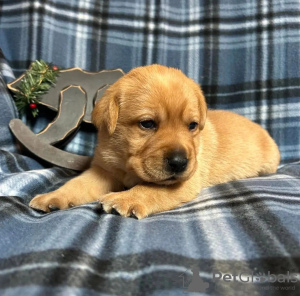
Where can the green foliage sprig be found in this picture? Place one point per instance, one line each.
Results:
(36, 82)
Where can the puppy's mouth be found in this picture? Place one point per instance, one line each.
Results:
(170, 180)
(162, 180)
(160, 174)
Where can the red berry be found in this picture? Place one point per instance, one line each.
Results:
(32, 105)
(54, 68)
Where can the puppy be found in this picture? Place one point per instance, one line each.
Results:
(157, 139)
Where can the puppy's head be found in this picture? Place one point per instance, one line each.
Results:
(149, 123)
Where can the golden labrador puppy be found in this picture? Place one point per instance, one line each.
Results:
(157, 138)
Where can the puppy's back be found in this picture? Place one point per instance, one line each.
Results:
(241, 149)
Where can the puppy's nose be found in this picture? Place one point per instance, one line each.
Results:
(176, 161)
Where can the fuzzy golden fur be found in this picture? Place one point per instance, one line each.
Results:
(186, 148)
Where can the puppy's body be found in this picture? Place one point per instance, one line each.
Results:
(157, 138)
(234, 148)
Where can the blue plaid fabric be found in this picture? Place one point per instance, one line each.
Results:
(245, 54)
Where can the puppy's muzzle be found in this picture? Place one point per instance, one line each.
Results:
(176, 161)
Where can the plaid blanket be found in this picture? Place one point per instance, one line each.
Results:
(239, 238)
(244, 54)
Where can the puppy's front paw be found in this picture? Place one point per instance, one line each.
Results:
(51, 201)
(125, 203)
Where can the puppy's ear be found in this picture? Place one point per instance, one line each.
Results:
(202, 107)
(106, 111)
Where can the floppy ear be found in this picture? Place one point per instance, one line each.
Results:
(106, 111)
(202, 107)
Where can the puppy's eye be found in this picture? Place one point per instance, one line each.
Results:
(148, 124)
(193, 125)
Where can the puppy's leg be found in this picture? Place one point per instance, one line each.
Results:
(83, 189)
(145, 199)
